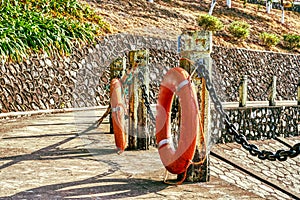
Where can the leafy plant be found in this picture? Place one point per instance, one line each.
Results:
(239, 29)
(36, 26)
(269, 39)
(291, 41)
(210, 23)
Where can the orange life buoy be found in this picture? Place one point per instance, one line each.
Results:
(118, 114)
(177, 81)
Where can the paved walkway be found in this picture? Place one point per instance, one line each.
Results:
(64, 156)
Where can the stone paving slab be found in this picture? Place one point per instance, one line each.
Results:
(64, 156)
(285, 175)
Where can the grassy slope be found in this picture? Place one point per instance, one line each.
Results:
(167, 19)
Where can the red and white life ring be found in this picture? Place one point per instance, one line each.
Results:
(118, 114)
(177, 81)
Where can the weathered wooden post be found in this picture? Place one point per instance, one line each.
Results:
(298, 92)
(243, 91)
(138, 120)
(117, 69)
(272, 94)
(196, 46)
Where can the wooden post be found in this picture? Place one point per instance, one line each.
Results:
(138, 119)
(272, 94)
(298, 92)
(243, 91)
(196, 46)
(117, 70)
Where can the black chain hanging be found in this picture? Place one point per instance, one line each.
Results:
(280, 155)
(147, 104)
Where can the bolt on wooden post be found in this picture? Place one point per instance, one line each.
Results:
(117, 70)
(138, 134)
(272, 94)
(243, 91)
(196, 46)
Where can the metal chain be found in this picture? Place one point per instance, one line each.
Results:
(175, 121)
(146, 99)
(280, 155)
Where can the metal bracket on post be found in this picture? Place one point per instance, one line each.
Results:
(272, 94)
(243, 91)
(138, 119)
(195, 46)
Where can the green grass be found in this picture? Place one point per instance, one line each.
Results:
(37, 26)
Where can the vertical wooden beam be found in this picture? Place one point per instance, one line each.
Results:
(196, 46)
(243, 91)
(143, 139)
(272, 94)
(298, 92)
(117, 70)
(138, 119)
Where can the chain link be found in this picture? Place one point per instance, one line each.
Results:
(280, 155)
(146, 101)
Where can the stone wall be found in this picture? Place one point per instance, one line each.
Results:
(231, 64)
(82, 80)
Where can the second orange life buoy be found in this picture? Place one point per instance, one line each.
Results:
(118, 114)
(177, 81)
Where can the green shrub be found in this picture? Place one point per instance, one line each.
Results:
(239, 29)
(269, 39)
(36, 26)
(210, 23)
(291, 41)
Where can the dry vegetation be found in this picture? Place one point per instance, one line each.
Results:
(168, 18)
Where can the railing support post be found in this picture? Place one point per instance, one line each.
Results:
(298, 92)
(138, 120)
(272, 94)
(195, 46)
(243, 91)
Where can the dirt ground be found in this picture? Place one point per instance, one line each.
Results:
(167, 19)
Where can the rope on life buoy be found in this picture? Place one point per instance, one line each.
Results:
(118, 114)
(177, 81)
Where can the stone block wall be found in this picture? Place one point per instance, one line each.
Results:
(82, 80)
(232, 64)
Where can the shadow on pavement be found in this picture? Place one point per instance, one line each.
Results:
(52, 152)
(97, 187)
